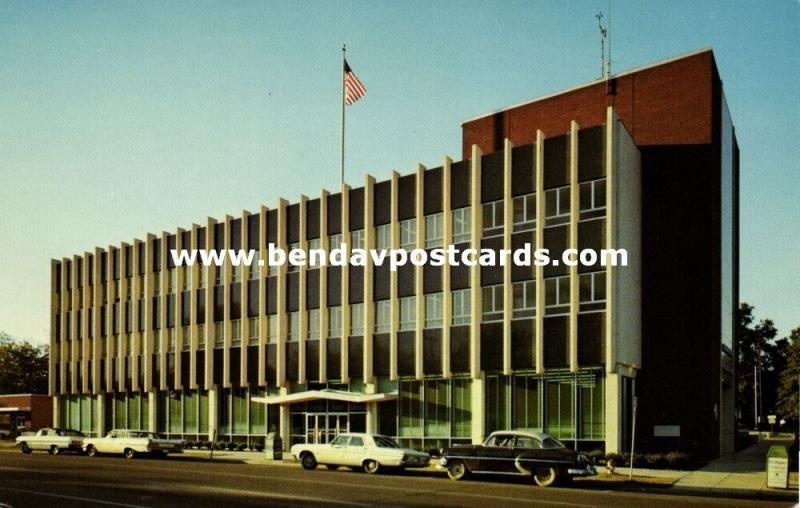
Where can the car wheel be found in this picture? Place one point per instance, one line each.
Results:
(308, 461)
(457, 470)
(332, 467)
(91, 451)
(54, 450)
(129, 453)
(371, 466)
(545, 476)
(25, 448)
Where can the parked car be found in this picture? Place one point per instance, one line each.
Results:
(5, 434)
(53, 441)
(131, 443)
(534, 454)
(370, 452)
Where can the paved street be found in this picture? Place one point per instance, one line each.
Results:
(69, 480)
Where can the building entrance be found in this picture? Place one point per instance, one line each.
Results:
(322, 428)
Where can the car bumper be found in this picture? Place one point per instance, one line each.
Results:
(588, 470)
(415, 462)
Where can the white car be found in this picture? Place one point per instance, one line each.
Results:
(53, 441)
(132, 442)
(369, 452)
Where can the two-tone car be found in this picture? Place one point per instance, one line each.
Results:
(53, 441)
(532, 454)
(369, 452)
(131, 443)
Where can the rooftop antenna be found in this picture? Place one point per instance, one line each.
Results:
(605, 69)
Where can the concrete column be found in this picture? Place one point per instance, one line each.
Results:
(478, 421)
(394, 316)
(194, 273)
(56, 398)
(540, 291)
(85, 325)
(147, 340)
(52, 382)
(135, 284)
(162, 312)
(244, 321)
(372, 418)
(227, 276)
(213, 411)
(610, 241)
(303, 335)
(280, 295)
(181, 274)
(447, 239)
(369, 307)
(208, 329)
(152, 415)
(100, 416)
(574, 217)
(75, 343)
(262, 302)
(345, 291)
(508, 288)
(323, 289)
(475, 271)
(62, 356)
(419, 289)
(613, 413)
(285, 423)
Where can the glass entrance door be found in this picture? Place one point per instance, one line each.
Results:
(321, 428)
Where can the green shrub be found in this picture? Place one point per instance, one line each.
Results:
(677, 460)
(655, 460)
(242, 447)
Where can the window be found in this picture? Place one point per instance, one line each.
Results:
(334, 322)
(408, 234)
(252, 330)
(219, 336)
(218, 271)
(201, 336)
(383, 316)
(313, 324)
(236, 333)
(592, 287)
(383, 237)
(556, 291)
(524, 297)
(433, 230)
(236, 274)
(272, 328)
(408, 313)
(172, 280)
(556, 202)
(462, 224)
(293, 333)
(525, 209)
(357, 239)
(593, 195)
(187, 278)
(254, 270)
(335, 241)
(433, 310)
(356, 441)
(289, 266)
(187, 339)
(315, 244)
(462, 301)
(493, 215)
(492, 302)
(201, 283)
(357, 319)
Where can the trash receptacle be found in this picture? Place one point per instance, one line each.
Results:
(277, 449)
(778, 467)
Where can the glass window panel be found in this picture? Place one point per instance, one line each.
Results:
(600, 193)
(563, 290)
(551, 292)
(313, 324)
(600, 286)
(551, 202)
(585, 283)
(335, 322)
(586, 195)
(357, 319)
(563, 201)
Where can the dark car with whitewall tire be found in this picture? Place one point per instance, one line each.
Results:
(529, 454)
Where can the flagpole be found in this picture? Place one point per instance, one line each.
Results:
(343, 64)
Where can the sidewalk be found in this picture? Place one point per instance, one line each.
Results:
(743, 472)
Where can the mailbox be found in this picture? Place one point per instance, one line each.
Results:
(778, 468)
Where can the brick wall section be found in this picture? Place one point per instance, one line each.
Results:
(41, 408)
(669, 104)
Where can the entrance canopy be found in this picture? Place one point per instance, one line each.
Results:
(326, 394)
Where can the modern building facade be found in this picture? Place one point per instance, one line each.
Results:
(438, 355)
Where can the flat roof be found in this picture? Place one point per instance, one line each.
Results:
(591, 83)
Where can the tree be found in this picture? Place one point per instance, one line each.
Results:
(23, 366)
(789, 386)
(757, 351)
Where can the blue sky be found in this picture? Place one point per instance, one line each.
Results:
(120, 118)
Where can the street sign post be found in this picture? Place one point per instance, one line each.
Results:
(777, 468)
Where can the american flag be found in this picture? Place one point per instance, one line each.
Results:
(353, 88)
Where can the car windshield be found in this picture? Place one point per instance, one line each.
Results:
(385, 442)
(551, 444)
